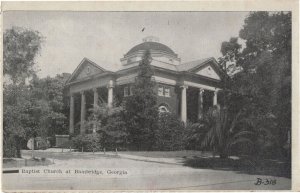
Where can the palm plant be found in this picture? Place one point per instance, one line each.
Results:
(224, 131)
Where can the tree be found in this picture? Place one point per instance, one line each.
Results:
(49, 105)
(16, 120)
(169, 135)
(20, 47)
(268, 41)
(108, 122)
(140, 109)
(263, 81)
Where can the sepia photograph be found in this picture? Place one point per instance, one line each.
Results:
(147, 100)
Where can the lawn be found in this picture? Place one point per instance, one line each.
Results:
(243, 165)
(194, 159)
(17, 163)
(168, 154)
(64, 155)
(204, 160)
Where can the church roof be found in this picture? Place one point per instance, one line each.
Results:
(151, 46)
(193, 64)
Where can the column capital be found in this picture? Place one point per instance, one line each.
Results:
(95, 89)
(184, 86)
(201, 90)
(110, 84)
(82, 92)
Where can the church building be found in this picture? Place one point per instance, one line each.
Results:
(179, 86)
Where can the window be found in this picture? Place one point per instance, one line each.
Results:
(126, 91)
(130, 90)
(160, 91)
(163, 109)
(88, 70)
(167, 92)
(163, 91)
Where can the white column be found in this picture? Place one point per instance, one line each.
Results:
(95, 97)
(183, 104)
(215, 97)
(200, 103)
(110, 94)
(95, 105)
(71, 125)
(82, 113)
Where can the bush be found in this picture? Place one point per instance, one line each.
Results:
(169, 134)
(9, 147)
(194, 135)
(114, 133)
(89, 142)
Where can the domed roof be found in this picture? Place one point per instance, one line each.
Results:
(151, 46)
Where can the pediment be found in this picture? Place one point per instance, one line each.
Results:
(85, 70)
(208, 71)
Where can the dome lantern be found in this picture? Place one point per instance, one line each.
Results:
(150, 39)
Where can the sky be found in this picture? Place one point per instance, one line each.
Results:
(104, 37)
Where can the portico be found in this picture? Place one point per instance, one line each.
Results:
(200, 100)
(83, 110)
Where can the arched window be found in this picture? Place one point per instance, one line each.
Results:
(163, 109)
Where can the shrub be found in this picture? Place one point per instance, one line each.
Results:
(194, 135)
(9, 147)
(169, 134)
(89, 142)
(114, 133)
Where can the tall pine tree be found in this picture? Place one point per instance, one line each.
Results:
(140, 109)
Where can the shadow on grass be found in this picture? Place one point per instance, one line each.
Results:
(68, 155)
(243, 165)
(17, 163)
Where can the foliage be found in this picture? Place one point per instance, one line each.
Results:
(264, 78)
(16, 120)
(108, 122)
(87, 142)
(49, 105)
(268, 40)
(10, 146)
(194, 134)
(115, 135)
(225, 130)
(21, 47)
(169, 134)
(34, 109)
(140, 109)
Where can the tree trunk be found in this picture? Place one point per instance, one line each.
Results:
(18, 148)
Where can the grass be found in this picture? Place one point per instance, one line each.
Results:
(16, 163)
(243, 165)
(167, 154)
(64, 155)
(204, 160)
